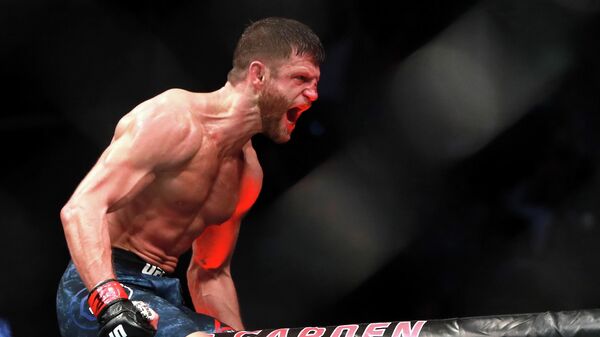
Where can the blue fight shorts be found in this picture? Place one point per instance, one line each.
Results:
(143, 282)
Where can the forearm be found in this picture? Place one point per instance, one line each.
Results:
(214, 294)
(89, 243)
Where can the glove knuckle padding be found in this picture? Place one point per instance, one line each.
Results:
(124, 313)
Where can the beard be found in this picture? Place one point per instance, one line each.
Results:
(273, 106)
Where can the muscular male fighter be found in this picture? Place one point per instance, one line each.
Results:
(181, 173)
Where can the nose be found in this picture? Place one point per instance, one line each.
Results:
(311, 93)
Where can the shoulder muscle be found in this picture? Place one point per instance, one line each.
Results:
(156, 133)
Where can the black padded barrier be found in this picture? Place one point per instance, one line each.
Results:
(579, 323)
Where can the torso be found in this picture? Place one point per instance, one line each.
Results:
(162, 221)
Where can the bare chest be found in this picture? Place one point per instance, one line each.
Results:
(206, 189)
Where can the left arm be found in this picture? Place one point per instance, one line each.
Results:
(209, 275)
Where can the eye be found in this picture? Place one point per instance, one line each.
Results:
(301, 78)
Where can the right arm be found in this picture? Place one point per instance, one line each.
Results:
(152, 138)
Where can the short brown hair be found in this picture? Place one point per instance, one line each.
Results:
(274, 38)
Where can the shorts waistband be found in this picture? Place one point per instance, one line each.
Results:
(132, 262)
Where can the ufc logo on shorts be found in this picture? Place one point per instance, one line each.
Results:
(152, 270)
(119, 331)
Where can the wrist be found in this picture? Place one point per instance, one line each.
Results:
(105, 293)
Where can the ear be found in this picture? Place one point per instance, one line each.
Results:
(256, 73)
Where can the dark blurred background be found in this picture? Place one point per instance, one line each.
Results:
(448, 169)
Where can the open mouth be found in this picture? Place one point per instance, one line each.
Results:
(293, 114)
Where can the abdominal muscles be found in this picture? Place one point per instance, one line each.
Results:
(161, 222)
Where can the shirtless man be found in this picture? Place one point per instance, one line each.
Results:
(181, 173)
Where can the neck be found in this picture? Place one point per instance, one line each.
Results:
(230, 116)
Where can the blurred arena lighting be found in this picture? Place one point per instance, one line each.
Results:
(453, 96)
(5, 330)
(582, 6)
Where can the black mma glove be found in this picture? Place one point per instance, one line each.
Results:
(117, 315)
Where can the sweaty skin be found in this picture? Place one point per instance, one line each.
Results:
(181, 172)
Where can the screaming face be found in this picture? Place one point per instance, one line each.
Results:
(289, 92)
(278, 114)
